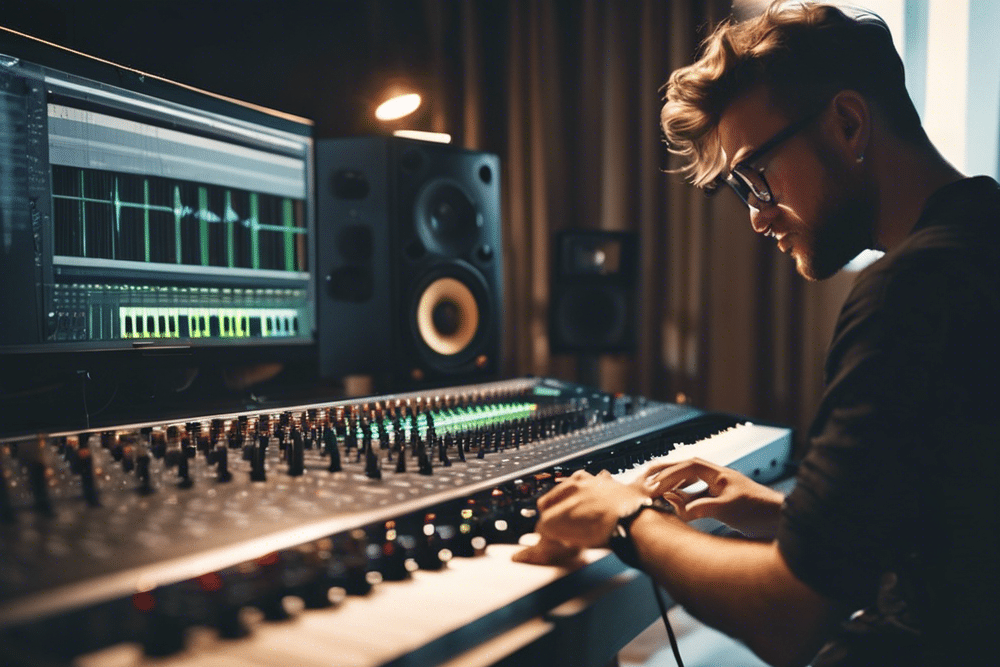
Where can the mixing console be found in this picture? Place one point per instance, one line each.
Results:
(139, 533)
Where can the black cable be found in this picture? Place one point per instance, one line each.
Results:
(658, 594)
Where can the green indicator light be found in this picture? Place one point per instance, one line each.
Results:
(178, 212)
(546, 391)
(254, 231)
(289, 237)
(228, 220)
(203, 223)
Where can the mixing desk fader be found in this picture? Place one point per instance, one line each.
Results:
(137, 534)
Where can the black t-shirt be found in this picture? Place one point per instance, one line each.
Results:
(895, 508)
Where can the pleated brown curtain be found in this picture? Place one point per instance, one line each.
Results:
(568, 93)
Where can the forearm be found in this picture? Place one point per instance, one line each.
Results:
(741, 587)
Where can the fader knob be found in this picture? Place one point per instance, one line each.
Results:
(86, 467)
(272, 590)
(330, 445)
(164, 625)
(226, 600)
(220, 457)
(307, 576)
(349, 567)
(392, 560)
(142, 472)
(432, 552)
(424, 466)
(296, 455)
(258, 471)
(373, 468)
(39, 473)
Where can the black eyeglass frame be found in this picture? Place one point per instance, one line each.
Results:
(743, 186)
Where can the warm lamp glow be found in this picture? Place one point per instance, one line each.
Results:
(439, 137)
(398, 106)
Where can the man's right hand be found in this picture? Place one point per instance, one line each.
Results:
(731, 497)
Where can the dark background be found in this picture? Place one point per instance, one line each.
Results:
(326, 61)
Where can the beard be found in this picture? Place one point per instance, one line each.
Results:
(844, 226)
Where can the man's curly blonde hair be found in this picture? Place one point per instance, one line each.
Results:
(803, 54)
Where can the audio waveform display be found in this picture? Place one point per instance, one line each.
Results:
(114, 216)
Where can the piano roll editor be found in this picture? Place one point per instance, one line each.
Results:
(147, 222)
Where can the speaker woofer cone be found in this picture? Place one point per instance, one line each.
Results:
(448, 316)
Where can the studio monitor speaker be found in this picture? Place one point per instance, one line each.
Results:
(594, 285)
(409, 260)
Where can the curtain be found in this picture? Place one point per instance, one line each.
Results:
(568, 93)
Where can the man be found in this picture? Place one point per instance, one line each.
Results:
(883, 553)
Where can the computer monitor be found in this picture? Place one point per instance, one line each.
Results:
(142, 214)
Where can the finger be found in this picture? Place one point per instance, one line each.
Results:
(693, 462)
(557, 494)
(547, 552)
(661, 466)
(687, 473)
(678, 497)
(677, 501)
(673, 482)
(702, 508)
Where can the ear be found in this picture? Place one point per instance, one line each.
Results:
(853, 123)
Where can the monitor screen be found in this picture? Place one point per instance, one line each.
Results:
(140, 213)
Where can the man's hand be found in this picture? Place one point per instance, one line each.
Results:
(582, 510)
(732, 498)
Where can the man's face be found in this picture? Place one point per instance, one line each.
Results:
(822, 214)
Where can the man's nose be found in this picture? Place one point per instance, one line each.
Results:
(760, 220)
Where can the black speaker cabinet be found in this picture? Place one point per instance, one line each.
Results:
(594, 284)
(409, 260)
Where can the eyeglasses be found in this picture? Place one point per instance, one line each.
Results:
(747, 180)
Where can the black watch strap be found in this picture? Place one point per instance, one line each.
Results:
(621, 539)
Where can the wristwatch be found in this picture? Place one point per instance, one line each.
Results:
(621, 542)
